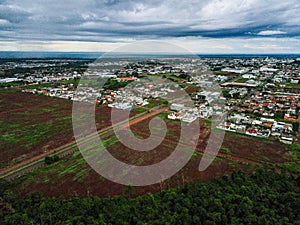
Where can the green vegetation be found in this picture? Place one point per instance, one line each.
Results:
(293, 166)
(29, 123)
(242, 80)
(51, 159)
(176, 78)
(53, 84)
(265, 197)
(26, 85)
(294, 86)
(225, 93)
(12, 84)
(80, 66)
(225, 150)
(139, 110)
(154, 102)
(73, 166)
(208, 123)
(294, 148)
(112, 84)
(30, 134)
(164, 115)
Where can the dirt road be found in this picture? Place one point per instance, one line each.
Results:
(67, 149)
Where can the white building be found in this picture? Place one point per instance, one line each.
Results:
(9, 80)
(177, 107)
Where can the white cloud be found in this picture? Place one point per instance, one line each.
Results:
(270, 32)
(191, 44)
(268, 47)
(112, 21)
(4, 23)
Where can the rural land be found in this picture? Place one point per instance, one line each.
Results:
(42, 166)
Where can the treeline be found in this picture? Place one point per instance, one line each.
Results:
(265, 197)
(79, 65)
(115, 85)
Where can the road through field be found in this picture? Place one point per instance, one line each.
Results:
(37, 161)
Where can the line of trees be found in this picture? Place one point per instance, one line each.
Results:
(265, 197)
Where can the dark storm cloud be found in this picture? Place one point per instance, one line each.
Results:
(12, 14)
(112, 20)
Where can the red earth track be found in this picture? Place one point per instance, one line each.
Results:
(147, 116)
(220, 154)
(38, 157)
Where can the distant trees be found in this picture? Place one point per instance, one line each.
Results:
(265, 197)
(51, 159)
(112, 84)
(183, 76)
(226, 93)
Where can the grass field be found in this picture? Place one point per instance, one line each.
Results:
(295, 86)
(34, 124)
(72, 176)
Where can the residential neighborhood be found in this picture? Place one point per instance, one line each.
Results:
(260, 95)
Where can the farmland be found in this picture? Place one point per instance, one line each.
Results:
(72, 176)
(34, 124)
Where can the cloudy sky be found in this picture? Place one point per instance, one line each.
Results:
(204, 26)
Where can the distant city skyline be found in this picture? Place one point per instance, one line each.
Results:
(208, 27)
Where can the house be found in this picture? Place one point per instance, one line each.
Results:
(252, 131)
(290, 118)
(188, 118)
(256, 123)
(278, 80)
(267, 69)
(295, 80)
(241, 129)
(222, 78)
(278, 127)
(122, 106)
(204, 112)
(286, 139)
(250, 82)
(249, 76)
(126, 79)
(175, 116)
(237, 71)
(177, 107)
(9, 80)
(264, 133)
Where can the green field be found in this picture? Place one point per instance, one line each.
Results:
(34, 124)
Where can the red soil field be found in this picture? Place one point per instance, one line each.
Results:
(34, 124)
(52, 183)
(94, 184)
(256, 149)
(25, 110)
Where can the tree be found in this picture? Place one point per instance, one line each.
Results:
(51, 159)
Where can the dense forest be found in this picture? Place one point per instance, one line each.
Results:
(264, 197)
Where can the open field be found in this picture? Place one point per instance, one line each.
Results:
(72, 176)
(34, 124)
(256, 149)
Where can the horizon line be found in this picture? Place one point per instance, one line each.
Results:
(170, 53)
